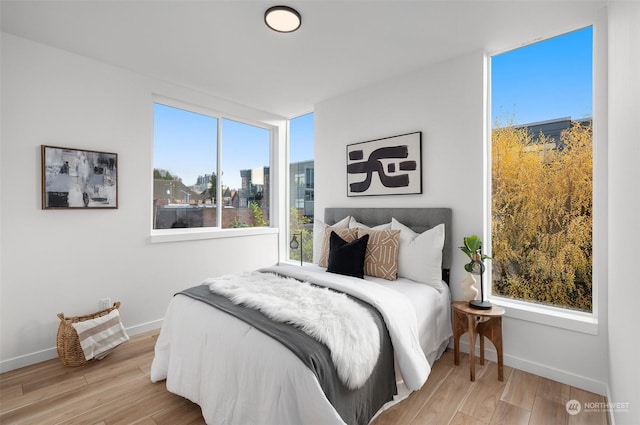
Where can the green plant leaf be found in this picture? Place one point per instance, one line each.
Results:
(473, 243)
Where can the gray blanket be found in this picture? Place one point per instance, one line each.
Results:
(356, 407)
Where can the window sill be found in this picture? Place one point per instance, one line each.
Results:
(551, 316)
(193, 234)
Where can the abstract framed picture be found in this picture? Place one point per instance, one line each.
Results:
(78, 179)
(388, 166)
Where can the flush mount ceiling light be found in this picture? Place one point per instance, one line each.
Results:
(282, 19)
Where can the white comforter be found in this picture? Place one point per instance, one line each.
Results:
(344, 326)
(238, 375)
(396, 309)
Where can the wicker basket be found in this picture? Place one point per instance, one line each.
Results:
(69, 349)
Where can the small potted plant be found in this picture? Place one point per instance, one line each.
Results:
(473, 248)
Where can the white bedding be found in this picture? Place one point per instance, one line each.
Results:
(238, 375)
(343, 325)
(433, 312)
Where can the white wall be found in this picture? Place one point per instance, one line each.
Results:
(65, 261)
(446, 103)
(624, 207)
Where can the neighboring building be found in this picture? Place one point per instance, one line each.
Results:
(301, 184)
(167, 192)
(202, 183)
(552, 129)
(177, 205)
(228, 195)
(255, 188)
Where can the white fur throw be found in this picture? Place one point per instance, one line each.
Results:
(343, 325)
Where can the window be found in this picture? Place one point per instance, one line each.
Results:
(301, 187)
(187, 190)
(542, 173)
(245, 175)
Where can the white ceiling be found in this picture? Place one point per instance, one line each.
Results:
(224, 48)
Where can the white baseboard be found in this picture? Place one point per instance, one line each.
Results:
(28, 359)
(52, 353)
(611, 416)
(144, 327)
(539, 369)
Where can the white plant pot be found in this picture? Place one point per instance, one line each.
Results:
(468, 287)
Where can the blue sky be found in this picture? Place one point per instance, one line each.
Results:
(244, 147)
(185, 144)
(301, 132)
(542, 81)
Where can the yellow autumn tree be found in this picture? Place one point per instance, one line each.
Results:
(542, 216)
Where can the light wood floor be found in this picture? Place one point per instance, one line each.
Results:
(117, 390)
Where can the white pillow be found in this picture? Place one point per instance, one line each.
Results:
(420, 257)
(318, 234)
(354, 224)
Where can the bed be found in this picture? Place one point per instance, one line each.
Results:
(240, 373)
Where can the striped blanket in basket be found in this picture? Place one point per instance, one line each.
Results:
(100, 335)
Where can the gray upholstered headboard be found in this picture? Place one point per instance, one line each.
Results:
(418, 219)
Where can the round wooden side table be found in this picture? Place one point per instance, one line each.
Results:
(483, 323)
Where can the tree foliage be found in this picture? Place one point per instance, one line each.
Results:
(542, 216)
(299, 225)
(212, 187)
(258, 215)
(159, 174)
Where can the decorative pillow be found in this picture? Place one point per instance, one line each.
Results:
(100, 335)
(347, 258)
(354, 224)
(318, 236)
(381, 258)
(346, 234)
(420, 257)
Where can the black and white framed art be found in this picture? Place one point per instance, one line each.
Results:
(388, 166)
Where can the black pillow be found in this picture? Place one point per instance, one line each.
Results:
(347, 258)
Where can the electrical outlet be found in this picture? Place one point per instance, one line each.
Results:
(105, 303)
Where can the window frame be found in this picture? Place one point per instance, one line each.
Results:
(284, 250)
(584, 322)
(217, 232)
